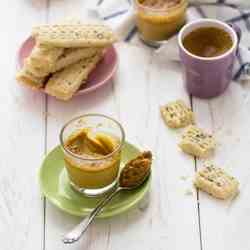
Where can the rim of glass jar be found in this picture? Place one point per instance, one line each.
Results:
(136, 3)
(92, 159)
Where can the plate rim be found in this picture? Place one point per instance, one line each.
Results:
(102, 83)
(106, 214)
(81, 91)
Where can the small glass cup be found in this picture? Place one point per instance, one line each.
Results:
(157, 24)
(93, 176)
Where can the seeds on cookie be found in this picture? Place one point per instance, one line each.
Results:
(216, 182)
(197, 142)
(177, 114)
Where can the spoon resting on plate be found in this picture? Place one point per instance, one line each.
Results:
(132, 176)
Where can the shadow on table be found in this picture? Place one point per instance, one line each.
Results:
(34, 103)
(88, 100)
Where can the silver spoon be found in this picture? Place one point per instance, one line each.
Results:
(76, 233)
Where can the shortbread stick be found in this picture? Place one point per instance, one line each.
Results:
(71, 56)
(65, 83)
(216, 182)
(177, 115)
(74, 35)
(38, 71)
(44, 56)
(197, 142)
(26, 78)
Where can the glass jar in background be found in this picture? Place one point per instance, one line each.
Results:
(157, 20)
(92, 147)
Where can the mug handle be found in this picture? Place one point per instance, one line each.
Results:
(238, 32)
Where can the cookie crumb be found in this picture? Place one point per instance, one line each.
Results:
(184, 177)
(188, 191)
(46, 114)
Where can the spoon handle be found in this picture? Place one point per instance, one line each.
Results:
(76, 233)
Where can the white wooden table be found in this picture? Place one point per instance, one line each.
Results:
(168, 218)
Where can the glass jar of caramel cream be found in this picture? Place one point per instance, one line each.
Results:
(92, 146)
(157, 20)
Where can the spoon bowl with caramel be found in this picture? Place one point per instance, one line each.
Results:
(132, 176)
(136, 171)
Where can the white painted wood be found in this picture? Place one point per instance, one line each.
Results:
(59, 112)
(67, 9)
(22, 135)
(142, 85)
(167, 218)
(134, 99)
(224, 224)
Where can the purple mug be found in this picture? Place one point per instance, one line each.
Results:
(207, 77)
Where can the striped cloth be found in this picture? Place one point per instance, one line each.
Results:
(119, 15)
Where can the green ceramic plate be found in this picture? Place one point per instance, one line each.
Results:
(55, 186)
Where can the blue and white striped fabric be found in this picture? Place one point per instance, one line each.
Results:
(119, 15)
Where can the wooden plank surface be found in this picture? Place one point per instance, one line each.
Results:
(59, 112)
(153, 85)
(167, 217)
(22, 135)
(224, 223)
(134, 98)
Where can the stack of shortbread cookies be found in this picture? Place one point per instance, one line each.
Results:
(64, 56)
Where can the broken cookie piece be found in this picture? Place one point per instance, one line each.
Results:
(196, 142)
(177, 115)
(216, 182)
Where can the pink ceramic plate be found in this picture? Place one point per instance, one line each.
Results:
(100, 76)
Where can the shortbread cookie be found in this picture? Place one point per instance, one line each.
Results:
(38, 71)
(65, 83)
(196, 142)
(216, 182)
(74, 35)
(177, 115)
(71, 56)
(44, 56)
(26, 78)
